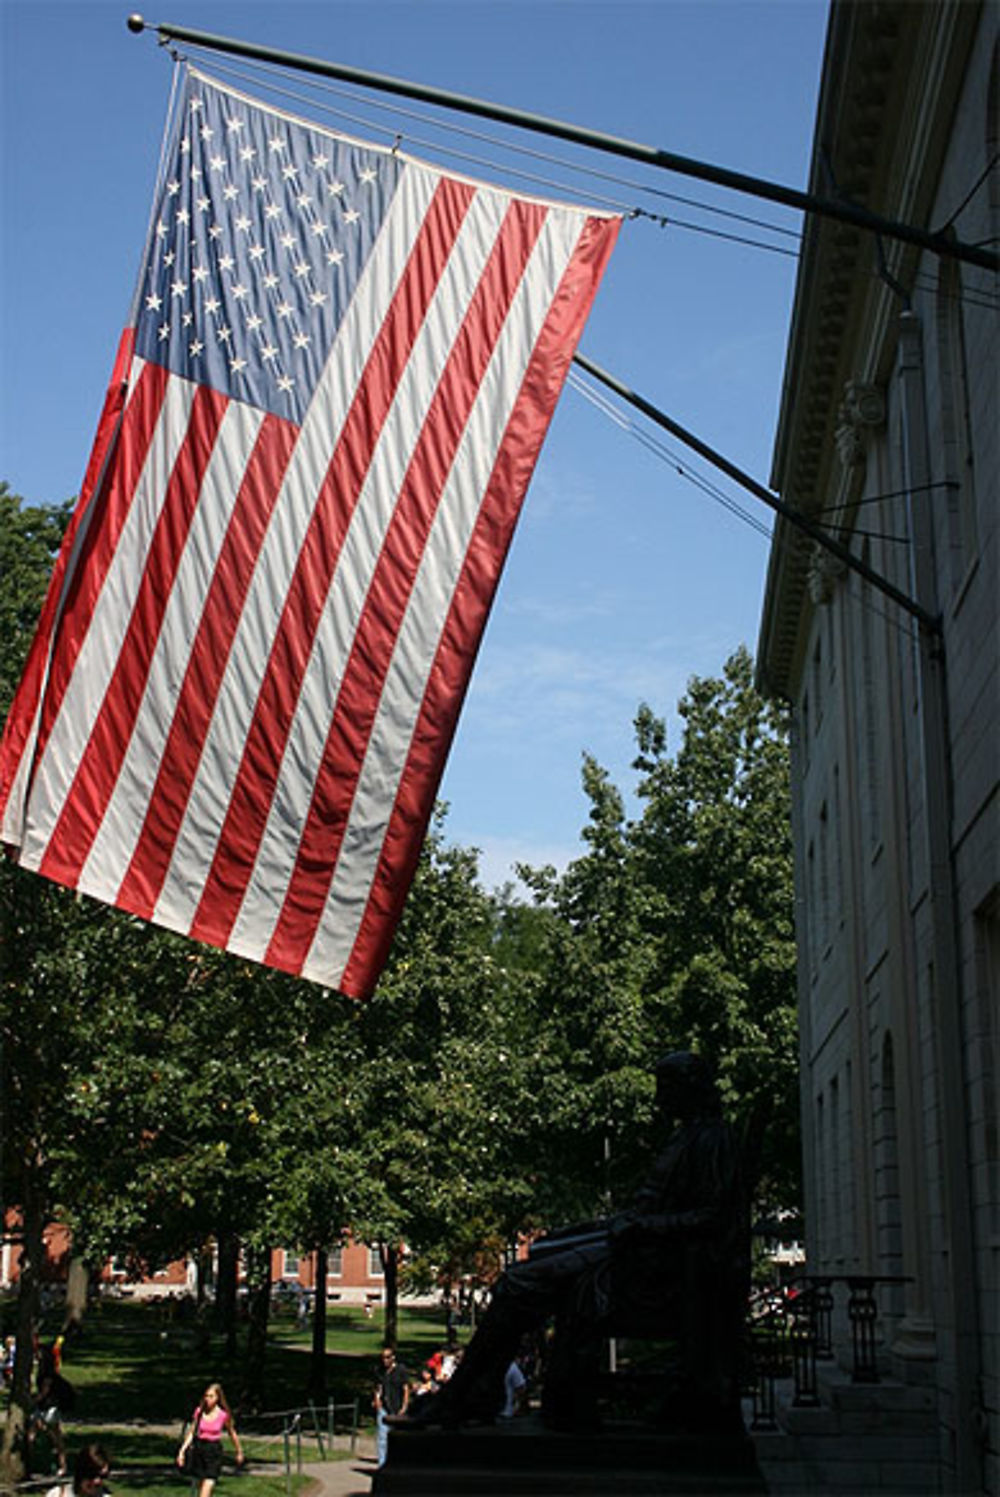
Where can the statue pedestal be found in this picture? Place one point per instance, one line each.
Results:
(522, 1457)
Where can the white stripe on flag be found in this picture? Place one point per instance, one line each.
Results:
(108, 626)
(417, 642)
(13, 818)
(112, 850)
(358, 563)
(197, 839)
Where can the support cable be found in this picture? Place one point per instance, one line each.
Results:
(949, 221)
(807, 202)
(261, 76)
(662, 451)
(787, 512)
(790, 197)
(920, 488)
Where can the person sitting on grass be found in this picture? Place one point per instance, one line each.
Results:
(90, 1470)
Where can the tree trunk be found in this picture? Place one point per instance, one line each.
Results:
(390, 1277)
(259, 1266)
(14, 1464)
(77, 1293)
(317, 1362)
(203, 1262)
(225, 1288)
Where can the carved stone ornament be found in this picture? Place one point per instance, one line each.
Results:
(862, 411)
(825, 571)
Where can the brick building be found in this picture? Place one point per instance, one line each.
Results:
(354, 1271)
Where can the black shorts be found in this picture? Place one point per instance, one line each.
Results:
(207, 1459)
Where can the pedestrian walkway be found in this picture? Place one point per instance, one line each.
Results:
(350, 1478)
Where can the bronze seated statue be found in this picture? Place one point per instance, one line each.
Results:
(673, 1265)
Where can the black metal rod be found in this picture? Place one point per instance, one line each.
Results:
(793, 516)
(775, 192)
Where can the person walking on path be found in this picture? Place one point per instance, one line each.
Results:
(210, 1421)
(392, 1394)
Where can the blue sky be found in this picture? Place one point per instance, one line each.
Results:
(624, 580)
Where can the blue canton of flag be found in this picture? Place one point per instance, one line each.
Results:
(261, 231)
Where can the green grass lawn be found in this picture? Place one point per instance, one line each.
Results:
(137, 1376)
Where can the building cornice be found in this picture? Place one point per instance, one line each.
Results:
(886, 99)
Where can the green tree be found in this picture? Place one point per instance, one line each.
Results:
(713, 851)
(37, 1014)
(442, 1084)
(673, 929)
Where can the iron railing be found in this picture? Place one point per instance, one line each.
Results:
(791, 1332)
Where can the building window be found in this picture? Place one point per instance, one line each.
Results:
(986, 1115)
(824, 876)
(838, 850)
(821, 1180)
(291, 1268)
(335, 1263)
(888, 1218)
(870, 720)
(812, 908)
(831, 653)
(956, 424)
(374, 1263)
(835, 1217)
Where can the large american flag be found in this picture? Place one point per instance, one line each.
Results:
(323, 418)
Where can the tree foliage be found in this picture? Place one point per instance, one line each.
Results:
(159, 1095)
(674, 929)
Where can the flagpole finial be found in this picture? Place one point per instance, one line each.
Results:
(135, 23)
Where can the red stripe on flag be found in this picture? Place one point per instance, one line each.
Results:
(234, 568)
(26, 698)
(455, 657)
(110, 512)
(96, 774)
(385, 605)
(246, 816)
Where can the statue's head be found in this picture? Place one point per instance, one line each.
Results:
(685, 1085)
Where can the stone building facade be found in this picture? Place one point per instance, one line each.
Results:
(888, 436)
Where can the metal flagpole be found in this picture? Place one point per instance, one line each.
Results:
(755, 186)
(775, 192)
(787, 512)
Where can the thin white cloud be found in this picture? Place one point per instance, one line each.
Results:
(579, 685)
(498, 857)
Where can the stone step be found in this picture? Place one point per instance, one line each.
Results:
(523, 1458)
(863, 1438)
(887, 1396)
(459, 1481)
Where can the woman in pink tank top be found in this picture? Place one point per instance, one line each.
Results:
(211, 1419)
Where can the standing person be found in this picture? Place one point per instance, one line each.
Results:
(515, 1388)
(211, 1419)
(392, 1394)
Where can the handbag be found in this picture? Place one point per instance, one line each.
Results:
(187, 1461)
